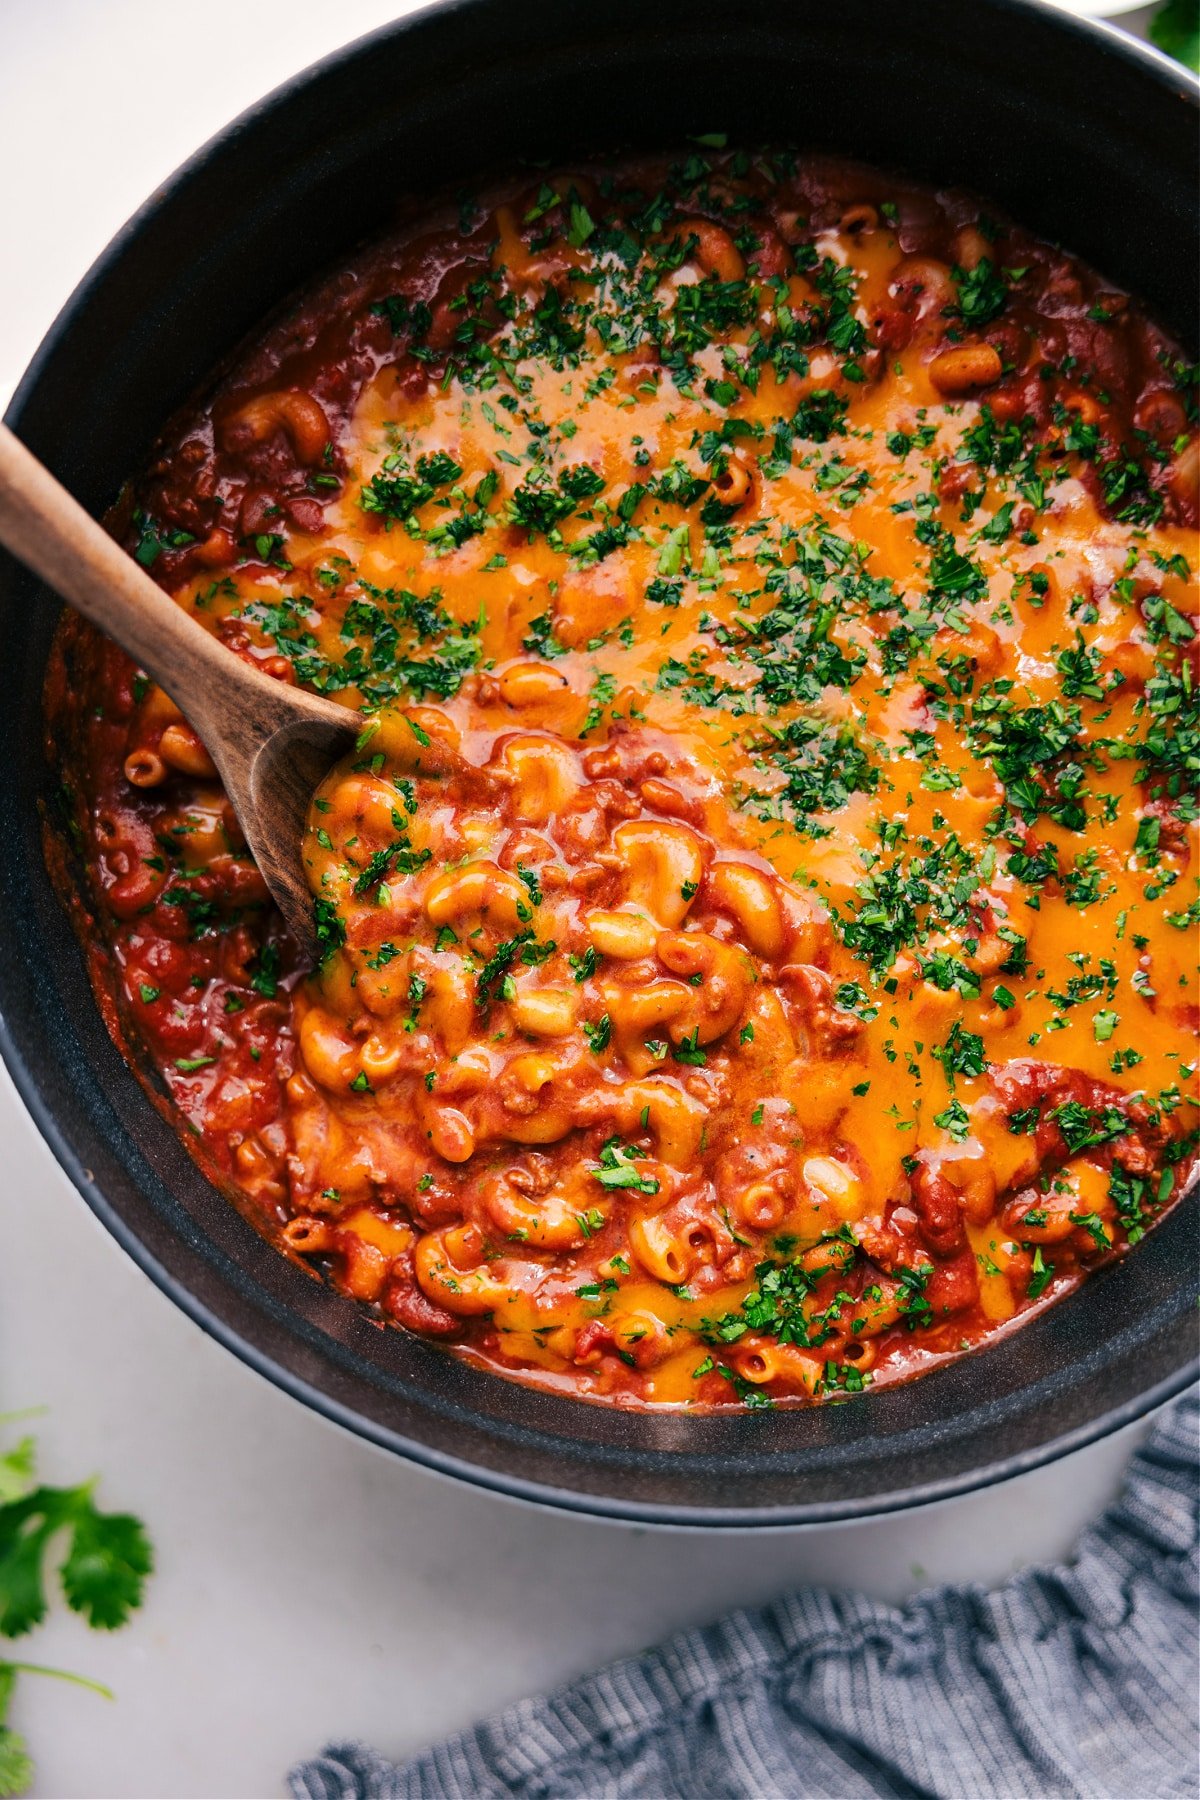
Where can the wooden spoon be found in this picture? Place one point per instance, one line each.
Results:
(272, 743)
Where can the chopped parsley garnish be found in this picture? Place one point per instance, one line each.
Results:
(618, 1169)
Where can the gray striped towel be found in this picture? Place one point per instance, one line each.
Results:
(1080, 1680)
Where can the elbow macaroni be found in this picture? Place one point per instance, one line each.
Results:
(756, 919)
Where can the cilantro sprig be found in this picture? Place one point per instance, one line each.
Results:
(101, 1559)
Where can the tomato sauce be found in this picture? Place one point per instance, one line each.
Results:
(757, 922)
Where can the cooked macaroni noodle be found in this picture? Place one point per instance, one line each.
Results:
(757, 920)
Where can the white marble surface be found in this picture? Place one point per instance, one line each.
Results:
(307, 1587)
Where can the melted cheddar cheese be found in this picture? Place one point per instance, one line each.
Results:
(757, 920)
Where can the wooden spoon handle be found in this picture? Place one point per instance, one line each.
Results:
(45, 526)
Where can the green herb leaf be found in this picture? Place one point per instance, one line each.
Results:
(618, 1170)
(103, 1571)
(106, 1567)
(1175, 28)
(16, 1765)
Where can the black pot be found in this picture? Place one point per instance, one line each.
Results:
(1082, 136)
